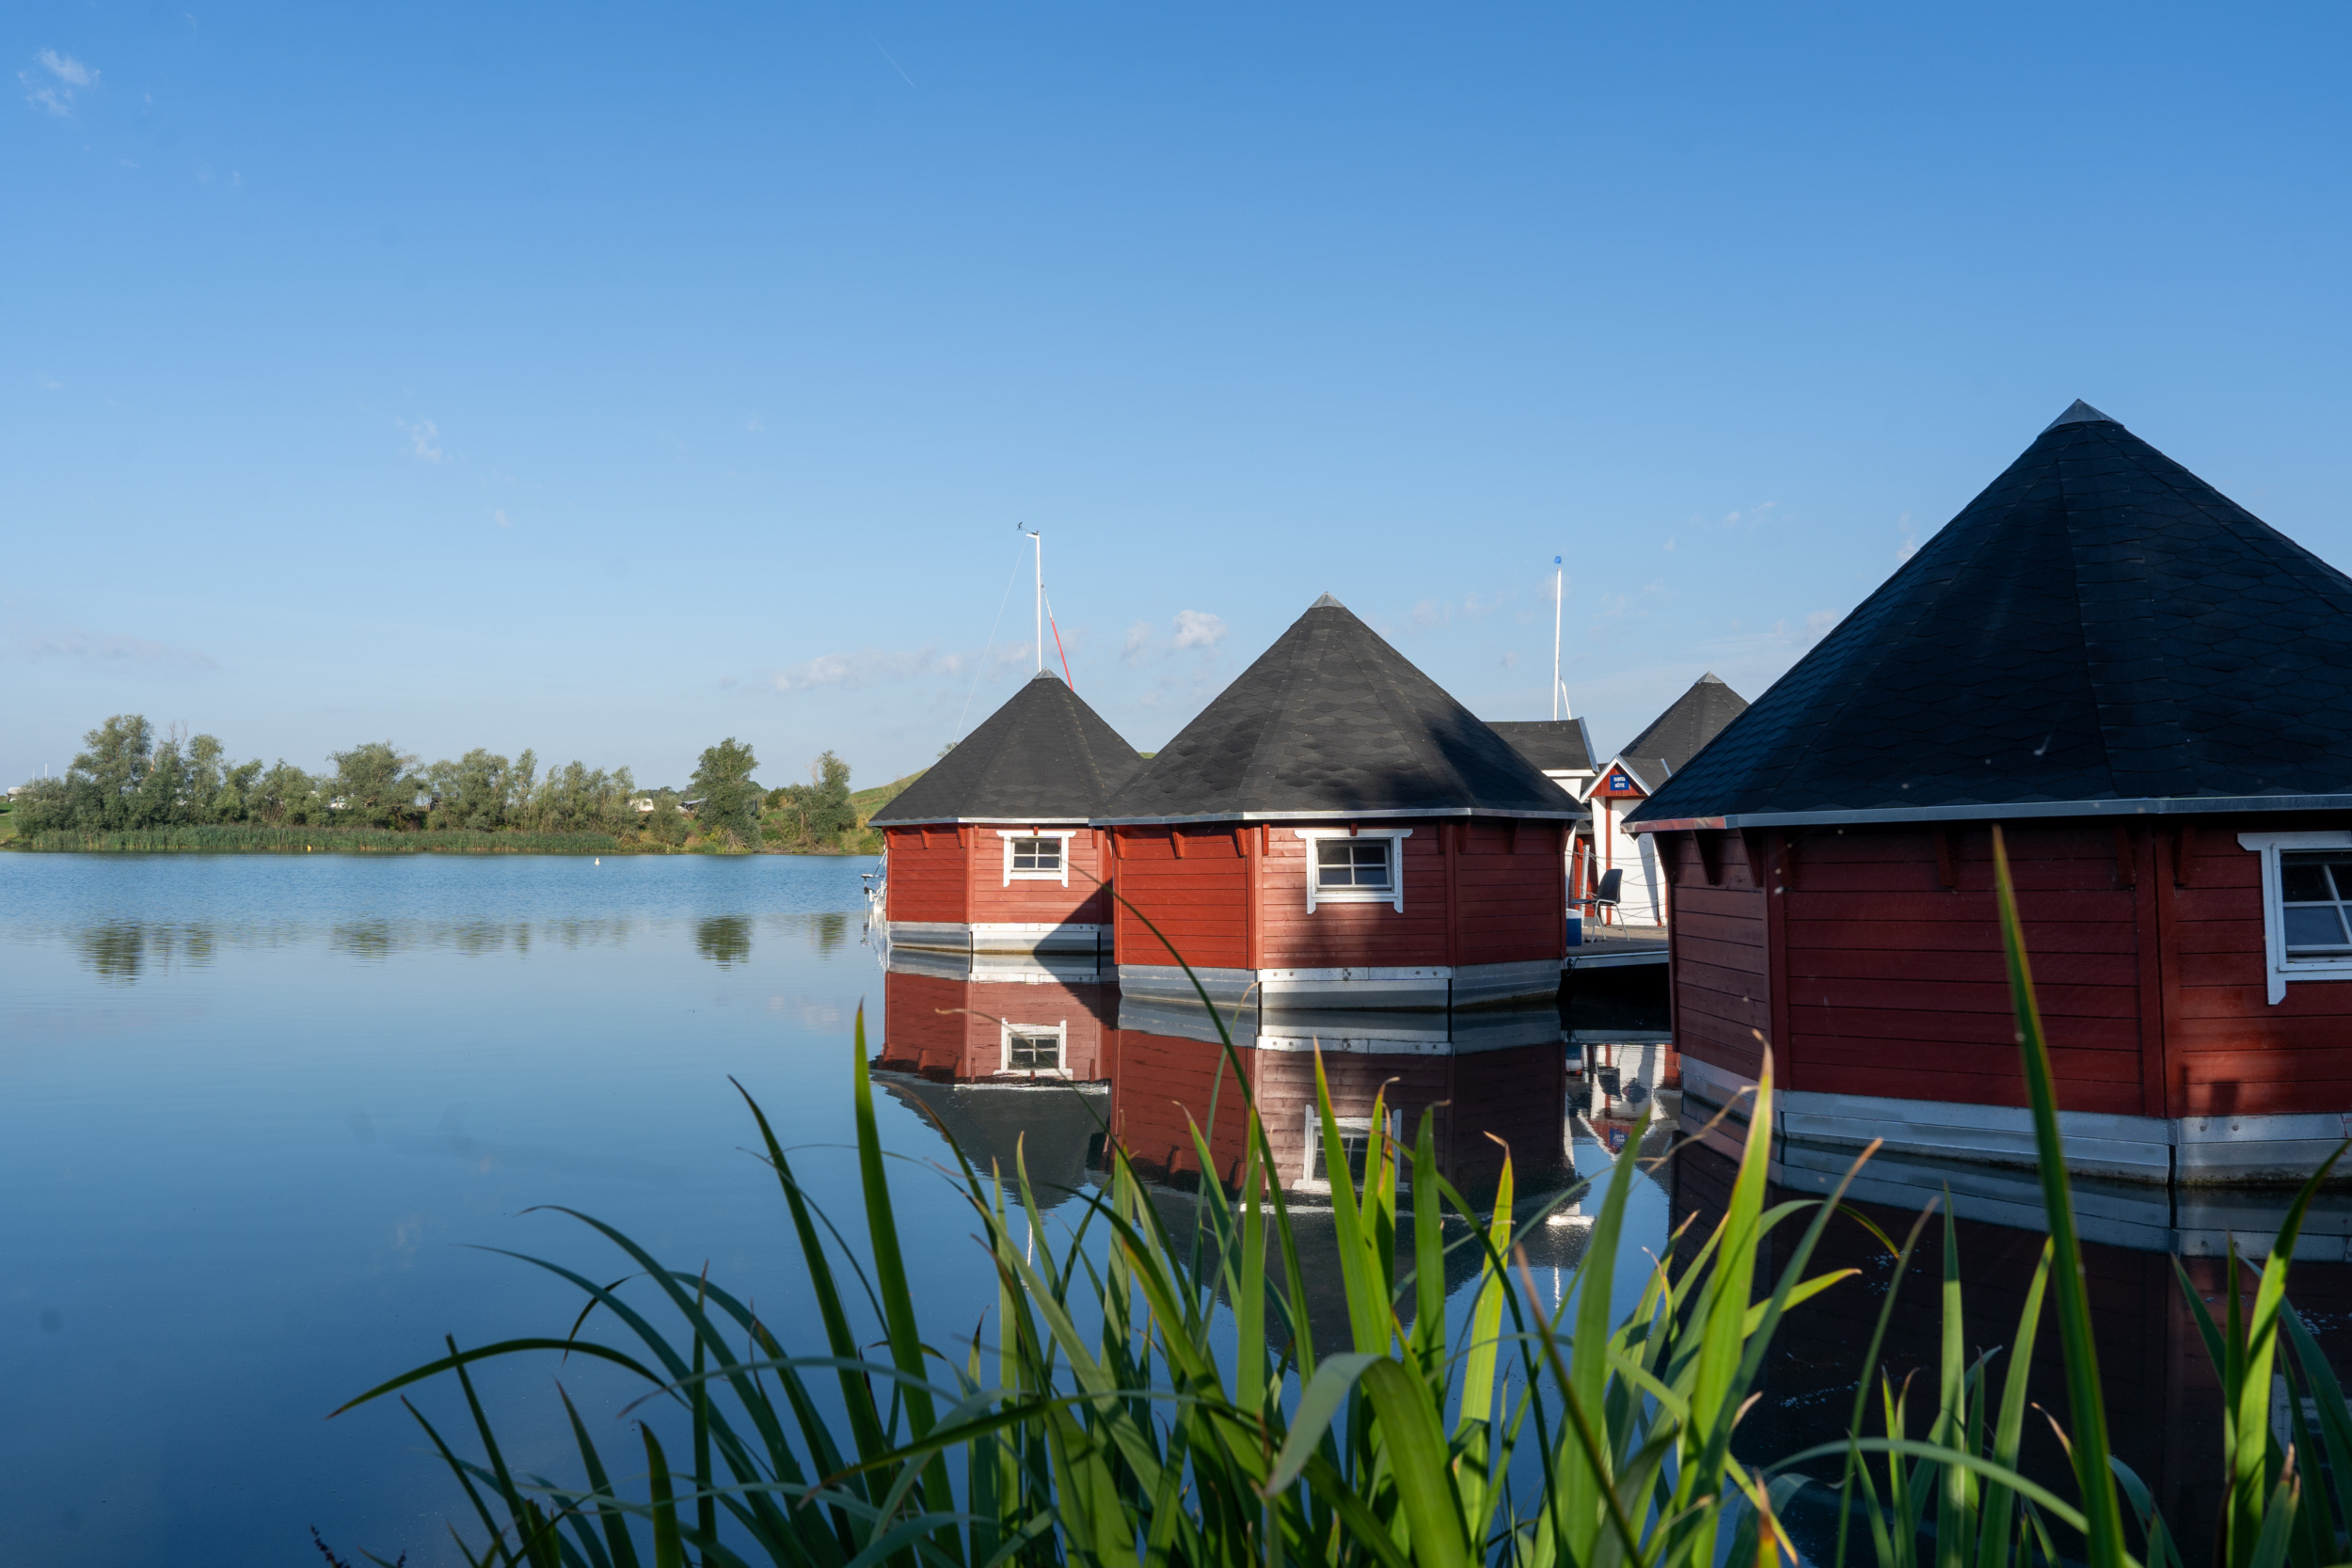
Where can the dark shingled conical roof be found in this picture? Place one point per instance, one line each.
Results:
(1332, 721)
(1549, 743)
(2100, 631)
(1676, 735)
(1044, 756)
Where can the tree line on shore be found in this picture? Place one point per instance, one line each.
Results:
(133, 776)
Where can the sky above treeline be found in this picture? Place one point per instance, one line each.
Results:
(608, 380)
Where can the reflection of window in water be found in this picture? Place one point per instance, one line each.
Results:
(1032, 1050)
(724, 940)
(1359, 1141)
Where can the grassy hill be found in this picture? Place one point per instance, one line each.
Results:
(869, 801)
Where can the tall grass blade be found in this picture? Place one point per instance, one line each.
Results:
(2086, 1409)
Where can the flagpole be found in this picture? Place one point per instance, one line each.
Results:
(1039, 540)
(1558, 583)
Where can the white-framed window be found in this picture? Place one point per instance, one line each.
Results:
(1362, 866)
(2307, 905)
(1359, 1142)
(1037, 854)
(1034, 1048)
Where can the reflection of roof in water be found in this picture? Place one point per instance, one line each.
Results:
(989, 1121)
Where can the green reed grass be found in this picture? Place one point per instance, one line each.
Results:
(1093, 1418)
(250, 838)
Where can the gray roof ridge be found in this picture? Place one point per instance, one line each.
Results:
(2101, 687)
(2079, 412)
(1078, 733)
(1278, 712)
(1880, 648)
(1409, 726)
(1669, 711)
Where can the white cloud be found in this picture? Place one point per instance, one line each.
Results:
(424, 438)
(1137, 646)
(54, 93)
(870, 667)
(109, 648)
(499, 517)
(1197, 628)
(66, 69)
(1909, 545)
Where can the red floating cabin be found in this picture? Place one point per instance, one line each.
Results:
(1335, 830)
(2149, 691)
(990, 851)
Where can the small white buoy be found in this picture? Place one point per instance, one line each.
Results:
(599, 860)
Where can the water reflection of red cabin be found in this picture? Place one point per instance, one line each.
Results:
(2150, 691)
(964, 1031)
(1484, 1102)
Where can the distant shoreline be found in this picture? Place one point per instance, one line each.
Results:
(245, 839)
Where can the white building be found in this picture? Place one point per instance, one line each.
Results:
(1647, 761)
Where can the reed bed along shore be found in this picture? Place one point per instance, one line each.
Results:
(1145, 1397)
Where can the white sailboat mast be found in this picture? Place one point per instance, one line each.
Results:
(1039, 540)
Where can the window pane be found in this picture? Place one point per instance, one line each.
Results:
(2304, 878)
(2341, 866)
(1352, 863)
(2311, 928)
(1032, 1052)
(1037, 854)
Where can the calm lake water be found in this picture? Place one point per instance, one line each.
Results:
(258, 1114)
(259, 1117)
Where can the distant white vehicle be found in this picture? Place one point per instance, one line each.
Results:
(643, 803)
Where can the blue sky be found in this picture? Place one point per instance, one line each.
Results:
(608, 380)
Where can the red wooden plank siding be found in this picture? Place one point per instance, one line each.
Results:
(2230, 1050)
(1481, 902)
(1722, 962)
(921, 1029)
(1936, 1022)
(928, 880)
(1031, 903)
(954, 1028)
(1239, 900)
(1199, 901)
(1884, 981)
(1160, 1088)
